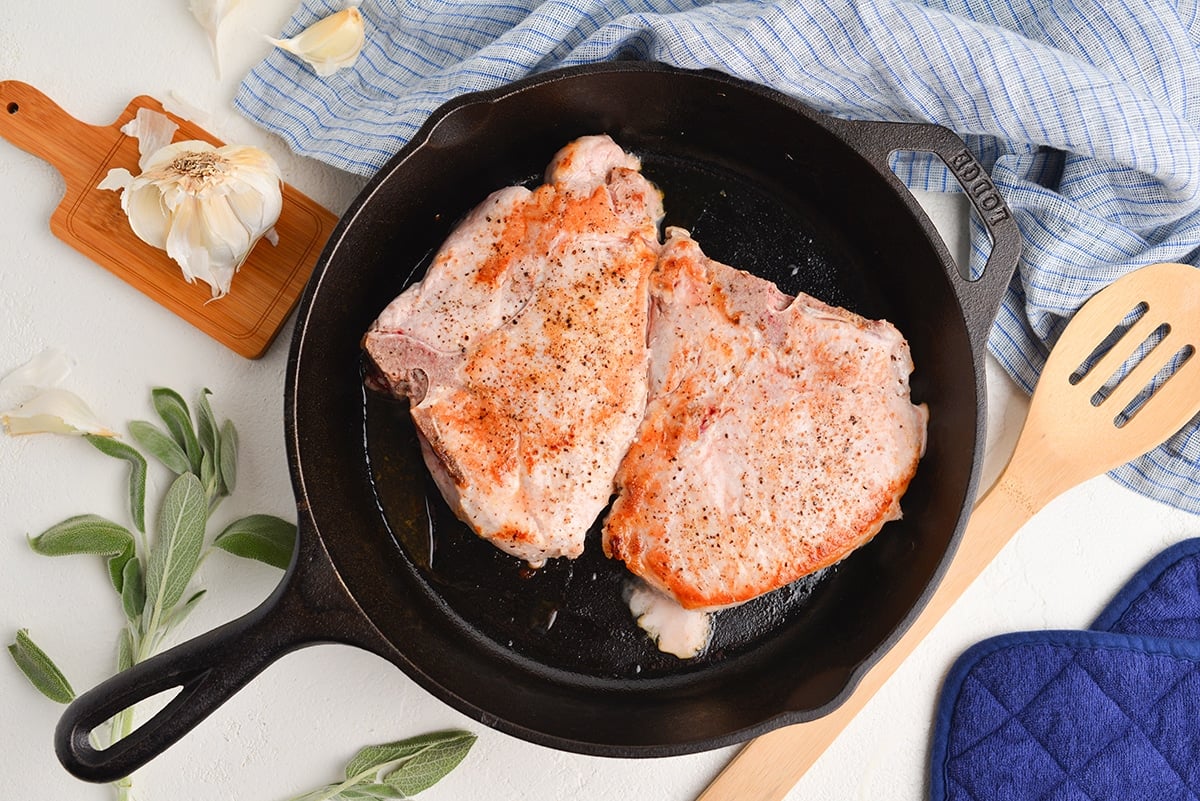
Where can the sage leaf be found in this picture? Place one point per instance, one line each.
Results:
(137, 474)
(176, 552)
(370, 792)
(431, 764)
(265, 538)
(160, 446)
(133, 589)
(209, 434)
(414, 764)
(229, 452)
(89, 534)
(124, 650)
(206, 425)
(209, 476)
(173, 410)
(41, 671)
(183, 610)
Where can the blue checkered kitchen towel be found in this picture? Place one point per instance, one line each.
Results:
(1086, 111)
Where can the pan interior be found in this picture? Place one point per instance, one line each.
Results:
(762, 187)
(571, 614)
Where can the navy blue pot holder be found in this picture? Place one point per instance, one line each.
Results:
(1107, 714)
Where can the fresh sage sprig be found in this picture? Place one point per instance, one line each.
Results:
(398, 770)
(152, 571)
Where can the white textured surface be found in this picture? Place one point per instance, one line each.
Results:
(295, 726)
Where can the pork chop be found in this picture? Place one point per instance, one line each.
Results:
(523, 349)
(779, 435)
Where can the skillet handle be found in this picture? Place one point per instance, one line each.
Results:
(309, 606)
(980, 297)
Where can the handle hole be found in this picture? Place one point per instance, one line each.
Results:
(935, 188)
(1168, 371)
(13, 107)
(123, 723)
(1131, 361)
(1108, 343)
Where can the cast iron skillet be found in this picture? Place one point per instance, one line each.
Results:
(552, 656)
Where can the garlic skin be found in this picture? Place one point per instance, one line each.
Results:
(50, 410)
(152, 131)
(54, 411)
(330, 43)
(206, 206)
(47, 368)
(211, 14)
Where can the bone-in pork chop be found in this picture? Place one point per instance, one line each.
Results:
(779, 435)
(523, 350)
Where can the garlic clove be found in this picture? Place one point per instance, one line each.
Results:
(148, 218)
(212, 14)
(252, 173)
(330, 43)
(224, 228)
(54, 411)
(228, 241)
(182, 243)
(189, 245)
(258, 217)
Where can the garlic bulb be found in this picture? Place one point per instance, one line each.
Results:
(329, 44)
(206, 206)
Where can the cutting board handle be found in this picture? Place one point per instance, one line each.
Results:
(36, 124)
(91, 220)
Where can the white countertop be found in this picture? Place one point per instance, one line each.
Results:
(294, 727)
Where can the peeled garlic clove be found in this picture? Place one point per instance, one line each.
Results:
(54, 411)
(329, 44)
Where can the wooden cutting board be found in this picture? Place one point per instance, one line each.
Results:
(264, 290)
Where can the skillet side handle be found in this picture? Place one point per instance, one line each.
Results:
(980, 297)
(309, 606)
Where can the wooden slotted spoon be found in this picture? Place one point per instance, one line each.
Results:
(1076, 429)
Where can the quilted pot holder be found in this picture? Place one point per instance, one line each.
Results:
(1108, 714)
